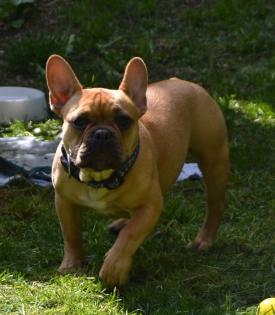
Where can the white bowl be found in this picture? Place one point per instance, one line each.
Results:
(21, 103)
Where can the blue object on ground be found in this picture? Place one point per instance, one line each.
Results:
(26, 157)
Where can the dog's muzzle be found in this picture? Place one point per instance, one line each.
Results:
(99, 151)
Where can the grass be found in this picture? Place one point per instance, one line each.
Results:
(48, 129)
(227, 46)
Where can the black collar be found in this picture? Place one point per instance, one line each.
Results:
(113, 182)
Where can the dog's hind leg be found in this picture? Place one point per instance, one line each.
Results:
(116, 226)
(215, 169)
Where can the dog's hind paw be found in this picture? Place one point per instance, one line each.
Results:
(200, 245)
(116, 226)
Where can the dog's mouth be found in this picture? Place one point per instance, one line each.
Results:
(99, 159)
(88, 174)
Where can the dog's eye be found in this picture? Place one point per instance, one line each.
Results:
(80, 123)
(123, 122)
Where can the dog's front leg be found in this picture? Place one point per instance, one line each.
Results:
(70, 221)
(118, 260)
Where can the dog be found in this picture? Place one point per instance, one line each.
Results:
(121, 150)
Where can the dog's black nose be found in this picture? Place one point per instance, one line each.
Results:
(102, 134)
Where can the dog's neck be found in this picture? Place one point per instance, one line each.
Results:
(116, 178)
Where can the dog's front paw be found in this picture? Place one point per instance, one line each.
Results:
(115, 269)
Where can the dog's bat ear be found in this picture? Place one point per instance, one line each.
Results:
(62, 82)
(134, 83)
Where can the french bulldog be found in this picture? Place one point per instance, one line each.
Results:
(121, 150)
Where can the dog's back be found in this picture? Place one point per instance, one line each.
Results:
(181, 116)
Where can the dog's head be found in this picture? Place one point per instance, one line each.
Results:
(100, 126)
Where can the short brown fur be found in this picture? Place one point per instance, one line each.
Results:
(169, 118)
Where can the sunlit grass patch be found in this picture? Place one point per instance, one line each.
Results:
(47, 130)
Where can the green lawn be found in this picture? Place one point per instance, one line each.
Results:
(226, 46)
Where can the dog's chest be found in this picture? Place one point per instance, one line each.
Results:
(93, 198)
(99, 201)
